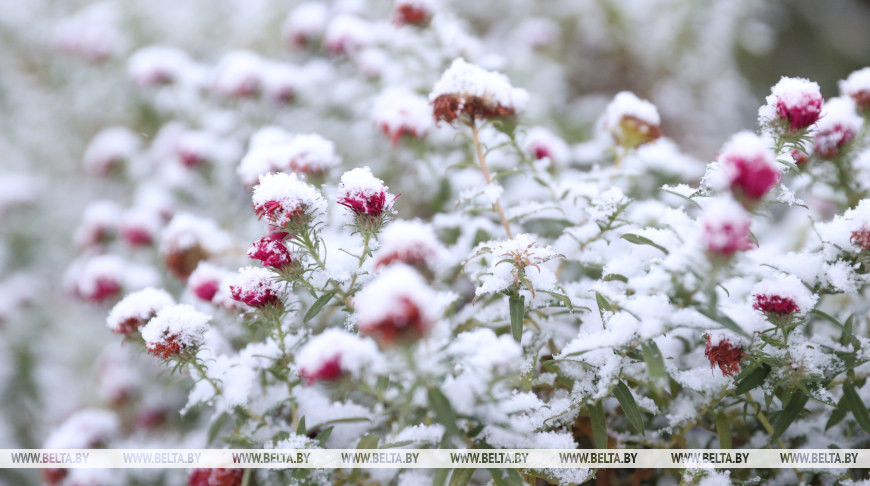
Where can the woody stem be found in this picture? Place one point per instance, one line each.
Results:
(488, 178)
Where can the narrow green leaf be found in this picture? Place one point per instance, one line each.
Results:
(383, 383)
(216, 427)
(300, 429)
(753, 379)
(723, 429)
(318, 306)
(629, 406)
(439, 477)
(324, 434)
(369, 441)
(838, 414)
(615, 276)
(506, 477)
(461, 477)
(854, 403)
(599, 425)
(517, 311)
(791, 411)
(643, 240)
(654, 362)
(443, 412)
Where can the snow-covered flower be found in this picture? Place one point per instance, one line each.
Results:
(514, 262)
(136, 309)
(469, 90)
(838, 126)
(794, 103)
(188, 240)
(305, 24)
(749, 166)
(366, 197)
(400, 112)
(541, 143)
(84, 429)
(274, 150)
(857, 87)
(410, 242)
(256, 287)
(334, 352)
(397, 306)
(725, 350)
(157, 65)
(631, 121)
(272, 251)
(100, 278)
(287, 202)
(174, 330)
(860, 225)
(205, 281)
(140, 226)
(725, 228)
(783, 296)
(99, 223)
(412, 12)
(239, 75)
(109, 149)
(216, 477)
(347, 34)
(281, 82)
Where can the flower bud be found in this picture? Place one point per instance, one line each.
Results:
(367, 198)
(725, 350)
(396, 306)
(794, 104)
(333, 353)
(749, 166)
(837, 127)
(136, 309)
(725, 228)
(174, 330)
(286, 202)
(631, 121)
(469, 92)
(256, 287)
(400, 112)
(857, 87)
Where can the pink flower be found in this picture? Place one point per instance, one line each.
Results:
(411, 12)
(724, 353)
(397, 306)
(287, 202)
(330, 370)
(798, 102)
(725, 228)
(366, 196)
(749, 166)
(272, 251)
(255, 287)
(775, 304)
(838, 126)
(857, 87)
(215, 477)
(205, 281)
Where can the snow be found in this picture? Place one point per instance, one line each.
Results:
(156, 64)
(255, 281)
(627, 104)
(410, 240)
(356, 354)
(110, 146)
(306, 21)
(857, 83)
(290, 192)
(84, 429)
(841, 276)
(141, 305)
(346, 34)
(181, 324)
(499, 274)
(790, 287)
(398, 110)
(465, 81)
(420, 435)
(318, 409)
(361, 183)
(382, 298)
(186, 231)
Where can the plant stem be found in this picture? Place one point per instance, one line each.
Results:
(483, 167)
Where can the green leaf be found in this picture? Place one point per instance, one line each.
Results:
(216, 427)
(383, 383)
(854, 403)
(443, 412)
(599, 425)
(324, 434)
(439, 477)
(615, 276)
(629, 406)
(461, 477)
(753, 379)
(517, 311)
(643, 240)
(318, 306)
(791, 411)
(654, 362)
(838, 414)
(369, 441)
(300, 429)
(603, 305)
(723, 429)
(506, 477)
